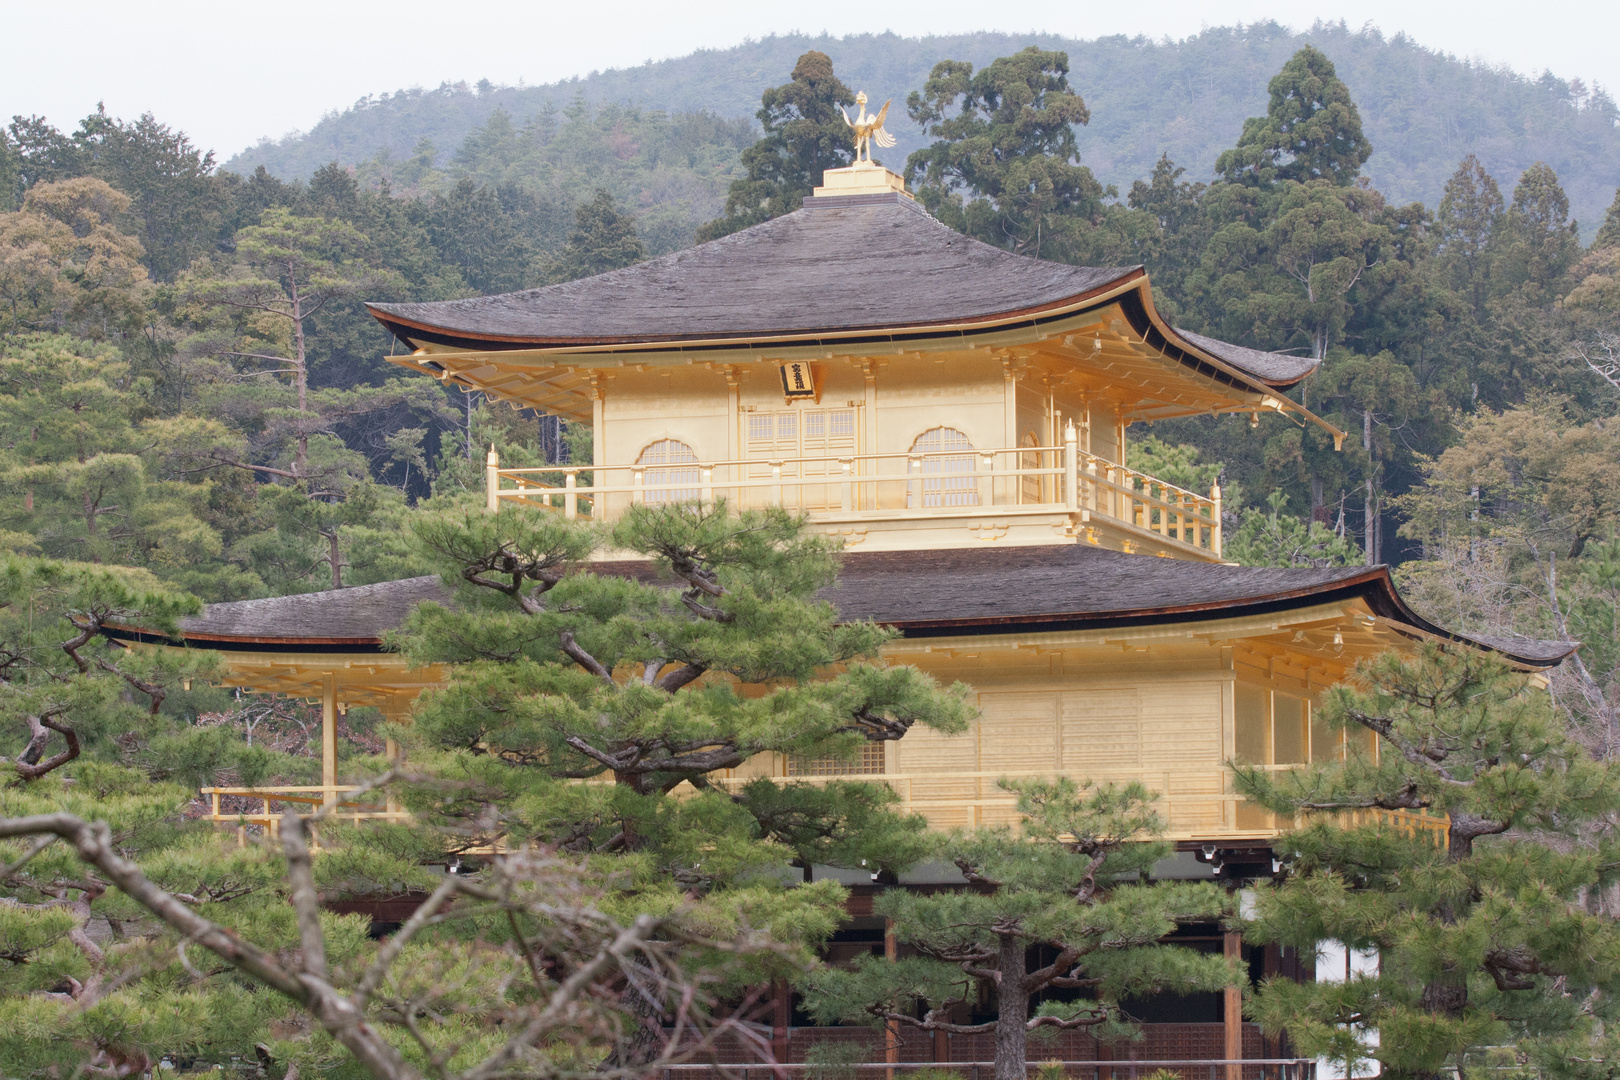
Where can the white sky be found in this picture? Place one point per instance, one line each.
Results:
(231, 72)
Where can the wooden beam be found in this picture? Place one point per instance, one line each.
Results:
(1233, 1013)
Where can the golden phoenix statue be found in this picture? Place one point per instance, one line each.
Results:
(868, 128)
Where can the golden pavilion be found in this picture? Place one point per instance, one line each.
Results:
(958, 415)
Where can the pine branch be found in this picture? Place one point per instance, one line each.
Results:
(578, 655)
(28, 765)
(337, 1014)
(305, 901)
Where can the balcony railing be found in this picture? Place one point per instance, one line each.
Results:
(1029, 480)
(948, 798)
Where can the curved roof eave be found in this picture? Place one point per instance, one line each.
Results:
(1132, 290)
(1372, 585)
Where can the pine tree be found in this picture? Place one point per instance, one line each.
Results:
(1478, 930)
(805, 135)
(522, 959)
(603, 239)
(1311, 130)
(1005, 168)
(1069, 884)
(84, 479)
(714, 652)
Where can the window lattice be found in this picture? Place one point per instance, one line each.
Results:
(673, 474)
(947, 468)
(869, 762)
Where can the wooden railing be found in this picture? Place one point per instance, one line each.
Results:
(1014, 480)
(311, 798)
(968, 798)
(977, 799)
(1127, 1069)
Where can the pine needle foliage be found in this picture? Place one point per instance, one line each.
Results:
(1480, 932)
(1071, 882)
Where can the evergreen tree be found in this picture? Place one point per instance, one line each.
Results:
(805, 135)
(1469, 215)
(563, 674)
(1478, 931)
(1540, 242)
(175, 196)
(66, 266)
(494, 237)
(1608, 235)
(603, 239)
(1311, 130)
(1005, 168)
(1070, 886)
(511, 966)
(85, 476)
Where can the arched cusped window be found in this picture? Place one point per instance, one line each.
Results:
(947, 469)
(672, 473)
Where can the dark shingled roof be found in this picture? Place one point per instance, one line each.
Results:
(358, 615)
(1279, 369)
(843, 263)
(877, 263)
(924, 593)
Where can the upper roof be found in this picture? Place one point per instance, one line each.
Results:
(924, 594)
(842, 264)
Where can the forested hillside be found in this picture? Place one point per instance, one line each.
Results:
(1423, 110)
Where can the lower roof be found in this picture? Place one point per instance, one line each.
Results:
(993, 590)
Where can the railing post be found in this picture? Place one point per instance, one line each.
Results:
(706, 493)
(776, 483)
(329, 739)
(492, 480)
(637, 482)
(1215, 526)
(1071, 467)
(846, 466)
(984, 484)
(570, 500)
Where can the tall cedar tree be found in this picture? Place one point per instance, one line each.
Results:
(805, 135)
(1480, 933)
(1005, 168)
(604, 238)
(1311, 130)
(710, 653)
(1067, 886)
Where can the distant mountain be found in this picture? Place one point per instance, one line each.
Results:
(1422, 109)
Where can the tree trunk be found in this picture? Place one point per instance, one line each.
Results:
(334, 557)
(644, 1043)
(300, 378)
(1012, 1012)
(1372, 514)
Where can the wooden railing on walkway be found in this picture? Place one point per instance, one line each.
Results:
(1191, 1069)
(977, 800)
(312, 797)
(1013, 480)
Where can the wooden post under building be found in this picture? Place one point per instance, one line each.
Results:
(1233, 1013)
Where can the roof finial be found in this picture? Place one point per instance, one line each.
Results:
(868, 129)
